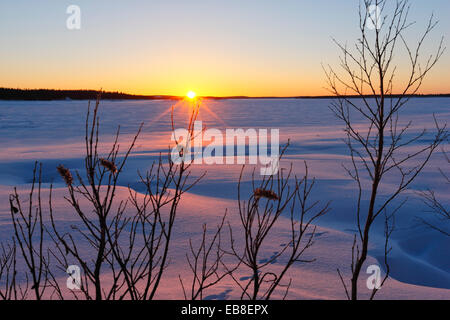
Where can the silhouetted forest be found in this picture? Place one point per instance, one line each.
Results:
(48, 94)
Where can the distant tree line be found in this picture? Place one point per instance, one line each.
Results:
(48, 94)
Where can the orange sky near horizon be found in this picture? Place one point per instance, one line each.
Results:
(204, 82)
(204, 79)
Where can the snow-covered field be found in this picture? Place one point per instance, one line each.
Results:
(53, 133)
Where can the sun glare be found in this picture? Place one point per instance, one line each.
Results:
(191, 94)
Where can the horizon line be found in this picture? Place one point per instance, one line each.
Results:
(14, 93)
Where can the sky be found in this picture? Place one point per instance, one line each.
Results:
(218, 48)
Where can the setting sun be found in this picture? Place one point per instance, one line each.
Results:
(191, 94)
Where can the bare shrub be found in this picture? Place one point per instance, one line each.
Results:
(258, 214)
(205, 263)
(377, 147)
